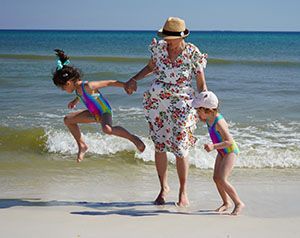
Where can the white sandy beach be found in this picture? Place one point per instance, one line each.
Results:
(272, 211)
(77, 221)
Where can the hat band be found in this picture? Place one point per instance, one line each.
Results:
(175, 33)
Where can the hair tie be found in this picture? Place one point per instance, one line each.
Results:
(60, 65)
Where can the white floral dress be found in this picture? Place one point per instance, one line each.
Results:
(167, 103)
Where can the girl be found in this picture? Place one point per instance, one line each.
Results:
(206, 104)
(68, 78)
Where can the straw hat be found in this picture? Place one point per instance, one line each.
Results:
(174, 28)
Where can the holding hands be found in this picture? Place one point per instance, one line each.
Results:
(130, 86)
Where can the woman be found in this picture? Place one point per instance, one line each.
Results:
(167, 103)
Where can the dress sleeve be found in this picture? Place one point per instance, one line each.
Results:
(198, 60)
(153, 48)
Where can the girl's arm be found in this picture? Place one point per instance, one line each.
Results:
(105, 83)
(201, 82)
(73, 103)
(222, 127)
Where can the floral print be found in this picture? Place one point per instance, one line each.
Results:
(167, 103)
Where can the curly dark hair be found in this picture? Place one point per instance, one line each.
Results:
(61, 55)
(67, 73)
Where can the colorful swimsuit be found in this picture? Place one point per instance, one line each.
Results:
(217, 138)
(95, 103)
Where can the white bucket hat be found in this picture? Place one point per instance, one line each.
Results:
(206, 99)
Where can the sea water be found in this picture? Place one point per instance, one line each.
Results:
(256, 76)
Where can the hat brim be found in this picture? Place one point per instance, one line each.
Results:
(160, 34)
(196, 104)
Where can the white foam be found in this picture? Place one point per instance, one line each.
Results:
(60, 141)
(267, 145)
(49, 115)
(135, 110)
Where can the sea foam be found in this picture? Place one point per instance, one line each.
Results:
(264, 146)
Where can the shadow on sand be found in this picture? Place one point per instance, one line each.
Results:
(135, 209)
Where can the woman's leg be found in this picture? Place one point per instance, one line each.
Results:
(161, 163)
(106, 122)
(226, 166)
(71, 121)
(217, 179)
(182, 171)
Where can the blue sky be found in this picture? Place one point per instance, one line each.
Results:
(251, 15)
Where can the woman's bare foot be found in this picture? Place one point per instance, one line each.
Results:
(81, 152)
(183, 200)
(224, 207)
(237, 209)
(139, 143)
(161, 198)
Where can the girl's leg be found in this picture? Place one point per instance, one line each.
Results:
(106, 122)
(161, 163)
(217, 179)
(182, 171)
(225, 169)
(71, 121)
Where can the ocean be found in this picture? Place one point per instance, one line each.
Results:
(256, 76)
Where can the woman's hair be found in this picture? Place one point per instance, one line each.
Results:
(63, 72)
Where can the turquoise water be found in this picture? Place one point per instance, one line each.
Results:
(255, 75)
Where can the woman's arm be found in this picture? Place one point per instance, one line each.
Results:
(201, 82)
(131, 85)
(146, 71)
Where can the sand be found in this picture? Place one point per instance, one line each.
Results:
(77, 221)
(272, 211)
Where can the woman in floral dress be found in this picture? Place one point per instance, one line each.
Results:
(167, 103)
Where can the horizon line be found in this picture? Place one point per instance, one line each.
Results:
(128, 30)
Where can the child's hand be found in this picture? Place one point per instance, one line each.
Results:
(73, 103)
(129, 91)
(209, 147)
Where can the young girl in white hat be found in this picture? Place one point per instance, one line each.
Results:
(206, 104)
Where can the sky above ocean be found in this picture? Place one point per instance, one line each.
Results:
(255, 15)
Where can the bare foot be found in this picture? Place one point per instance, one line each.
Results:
(161, 198)
(237, 209)
(139, 143)
(81, 152)
(183, 200)
(224, 207)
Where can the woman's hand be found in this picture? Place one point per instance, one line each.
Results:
(130, 86)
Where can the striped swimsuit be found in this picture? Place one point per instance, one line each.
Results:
(95, 103)
(217, 138)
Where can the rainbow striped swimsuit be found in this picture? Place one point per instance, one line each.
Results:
(95, 103)
(217, 138)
